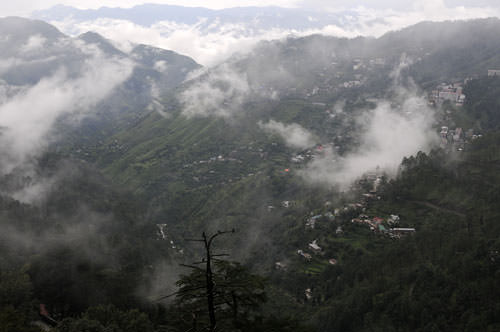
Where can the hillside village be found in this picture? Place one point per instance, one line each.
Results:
(336, 217)
(313, 254)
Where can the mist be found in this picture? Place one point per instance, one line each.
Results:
(28, 117)
(294, 135)
(219, 92)
(388, 134)
(212, 42)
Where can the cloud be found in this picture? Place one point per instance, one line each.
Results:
(155, 104)
(27, 118)
(294, 135)
(83, 230)
(219, 92)
(10, 64)
(388, 135)
(208, 47)
(161, 66)
(395, 129)
(212, 42)
(33, 44)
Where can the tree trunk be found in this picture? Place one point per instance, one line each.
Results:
(210, 286)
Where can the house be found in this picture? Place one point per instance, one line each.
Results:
(298, 158)
(314, 246)
(280, 266)
(339, 230)
(307, 256)
(376, 184)
(161, 231)
(308, 294)
(493, 72)
(393, 219)
(311, 222)
(402, 231)
(452, 92)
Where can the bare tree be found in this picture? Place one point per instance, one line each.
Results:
(217, 288)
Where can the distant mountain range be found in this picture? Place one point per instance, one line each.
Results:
(252, 17)
(42, 47)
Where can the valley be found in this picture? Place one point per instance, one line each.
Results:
(357, 178)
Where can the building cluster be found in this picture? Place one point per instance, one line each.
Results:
(448, 92)
(351, 84)
(315, 249)
(384, 226)
(457, 138)
(376, 224)
(311, 222)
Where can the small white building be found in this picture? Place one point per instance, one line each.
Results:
(308, 294)
(393, 219)
(314, 246)
(402, 231)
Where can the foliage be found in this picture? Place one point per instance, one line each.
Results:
(238, 296)
(107, 319)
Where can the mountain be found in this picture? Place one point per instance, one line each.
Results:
(36, 57)
(17, 31)
(43, 46)
(259, 18)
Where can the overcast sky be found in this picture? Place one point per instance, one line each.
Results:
(25, 7)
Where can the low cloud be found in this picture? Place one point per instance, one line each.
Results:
(219, 92)
(28, 117)
(388, 135)
(33, 44)
(210, 44)
(155, 104)
(208, 47)
(294, 135)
